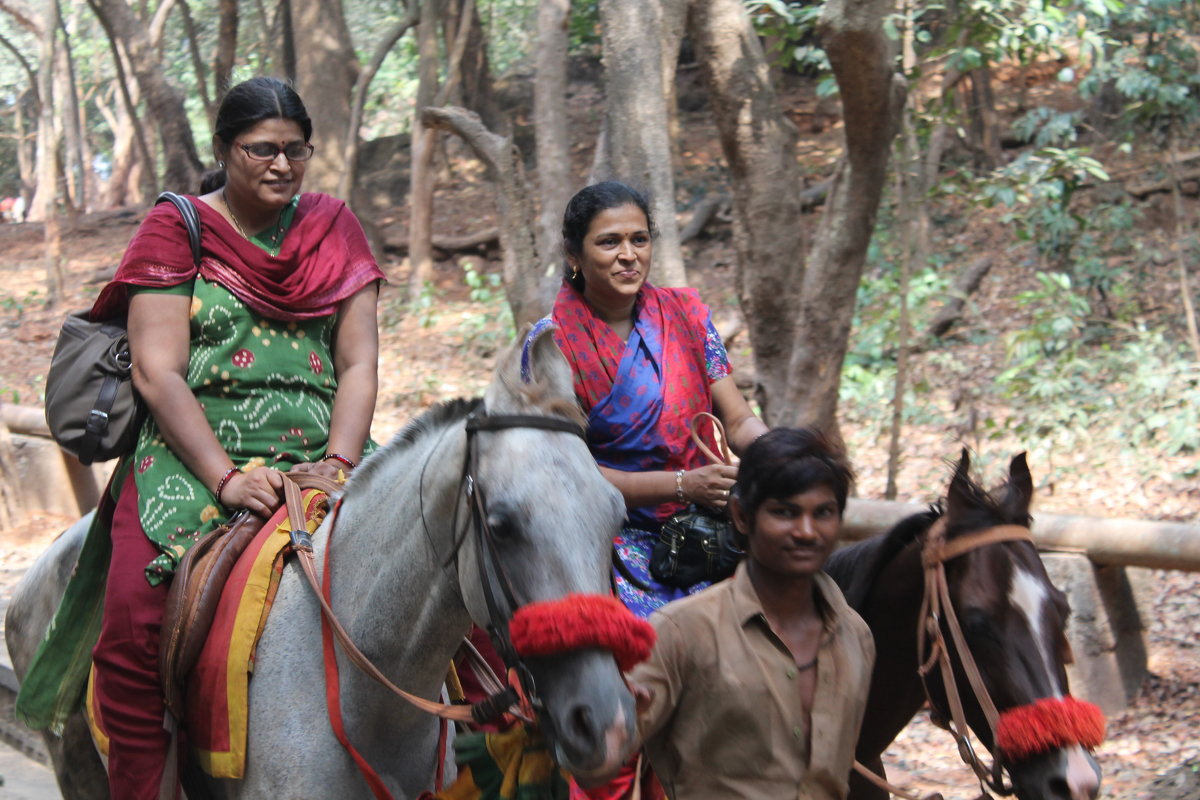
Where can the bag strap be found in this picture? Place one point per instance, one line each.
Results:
(726, 457)
(191, 220)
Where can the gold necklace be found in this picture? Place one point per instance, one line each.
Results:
(242, 231)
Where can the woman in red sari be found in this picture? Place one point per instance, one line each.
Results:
(645, 361)
(262, 360)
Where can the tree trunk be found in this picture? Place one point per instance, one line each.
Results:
(227, 37)
(555, 183)
(477, 92)
(420, 193)
(48, 144)
(182, 167)
(26, 116)
(287, 38)
(325, 79)
(759, 143)
(76, 168)
(138, 183)
(193, 42)
(350, 175)
(984, 126)
(514, 201)
(641, 41)
(872, 100)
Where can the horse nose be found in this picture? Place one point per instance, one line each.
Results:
(581, 729)
(1079, 781)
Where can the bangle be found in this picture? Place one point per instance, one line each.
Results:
(339, 457)
(679, 486)
(225, 479)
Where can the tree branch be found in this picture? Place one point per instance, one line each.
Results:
(29, 70)
(22, 17)
(365, 76)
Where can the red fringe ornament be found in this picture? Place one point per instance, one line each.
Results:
(1047, 724)
(578, 621)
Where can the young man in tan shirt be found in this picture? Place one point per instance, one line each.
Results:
(757, 686)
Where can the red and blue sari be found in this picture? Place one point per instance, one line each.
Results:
(640, 396)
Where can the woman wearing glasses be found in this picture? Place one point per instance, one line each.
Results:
(262, 360)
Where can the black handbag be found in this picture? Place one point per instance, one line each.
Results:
(697, 544)
(694, 545)
(91, 406)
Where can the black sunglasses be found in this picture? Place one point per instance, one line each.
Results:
(267, 151)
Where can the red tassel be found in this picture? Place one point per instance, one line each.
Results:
(1047, 724)
(578, 621)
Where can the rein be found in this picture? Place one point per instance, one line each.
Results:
(1021, 731)
(592, 620)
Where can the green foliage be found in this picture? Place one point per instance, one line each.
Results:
(1148, 52)
(484, 332)
(1072, 379)
(790, 29)
(1038, 186)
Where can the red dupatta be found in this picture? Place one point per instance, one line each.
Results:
(324, 258)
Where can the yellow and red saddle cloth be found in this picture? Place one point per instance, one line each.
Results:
(218, 686)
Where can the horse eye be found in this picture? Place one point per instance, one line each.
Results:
(501, 525)
(977, 626)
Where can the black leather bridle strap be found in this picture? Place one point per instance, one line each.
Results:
(493, 579)
(481, 421)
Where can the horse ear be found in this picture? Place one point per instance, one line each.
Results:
(543, 363)
(1020, 487)
(959, 494)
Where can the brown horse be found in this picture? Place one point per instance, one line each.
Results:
(1010, 614)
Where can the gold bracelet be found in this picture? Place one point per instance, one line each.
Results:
(679, 486)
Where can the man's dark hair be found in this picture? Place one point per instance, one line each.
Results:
(788, 461)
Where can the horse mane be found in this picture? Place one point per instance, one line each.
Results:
(436, 418)
(856, 566)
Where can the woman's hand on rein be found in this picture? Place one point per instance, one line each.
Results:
(710, 485)
(326, 469)
(259, 491)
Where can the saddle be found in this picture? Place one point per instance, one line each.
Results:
(196, 591)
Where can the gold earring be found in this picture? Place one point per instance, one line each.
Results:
(574, 270)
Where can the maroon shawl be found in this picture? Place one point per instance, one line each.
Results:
(324, 259)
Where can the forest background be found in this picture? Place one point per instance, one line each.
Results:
(927, 224)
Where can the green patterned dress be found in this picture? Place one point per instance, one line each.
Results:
(267, 390)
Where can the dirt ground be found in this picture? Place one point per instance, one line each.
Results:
(447, 349)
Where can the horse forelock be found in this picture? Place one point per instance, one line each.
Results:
(540, 396)
(977, 508)
(857, 566)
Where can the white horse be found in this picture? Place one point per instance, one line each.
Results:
(405, 584)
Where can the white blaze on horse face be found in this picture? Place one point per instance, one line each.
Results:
(1029, 595)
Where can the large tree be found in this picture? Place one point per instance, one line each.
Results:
(141, 42)
(326, 71)
(797, 295)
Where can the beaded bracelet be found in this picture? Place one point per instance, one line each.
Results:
(679, 486)
(339, 457)
(225, 479)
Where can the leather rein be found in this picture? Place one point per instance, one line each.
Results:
(936, 550)
(491, 574)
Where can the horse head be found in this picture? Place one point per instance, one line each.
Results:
(1012, 620)
(547, 518)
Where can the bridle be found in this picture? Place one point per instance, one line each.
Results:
(936, 550)
(519, 696)
(936, 607)
(494, 582)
